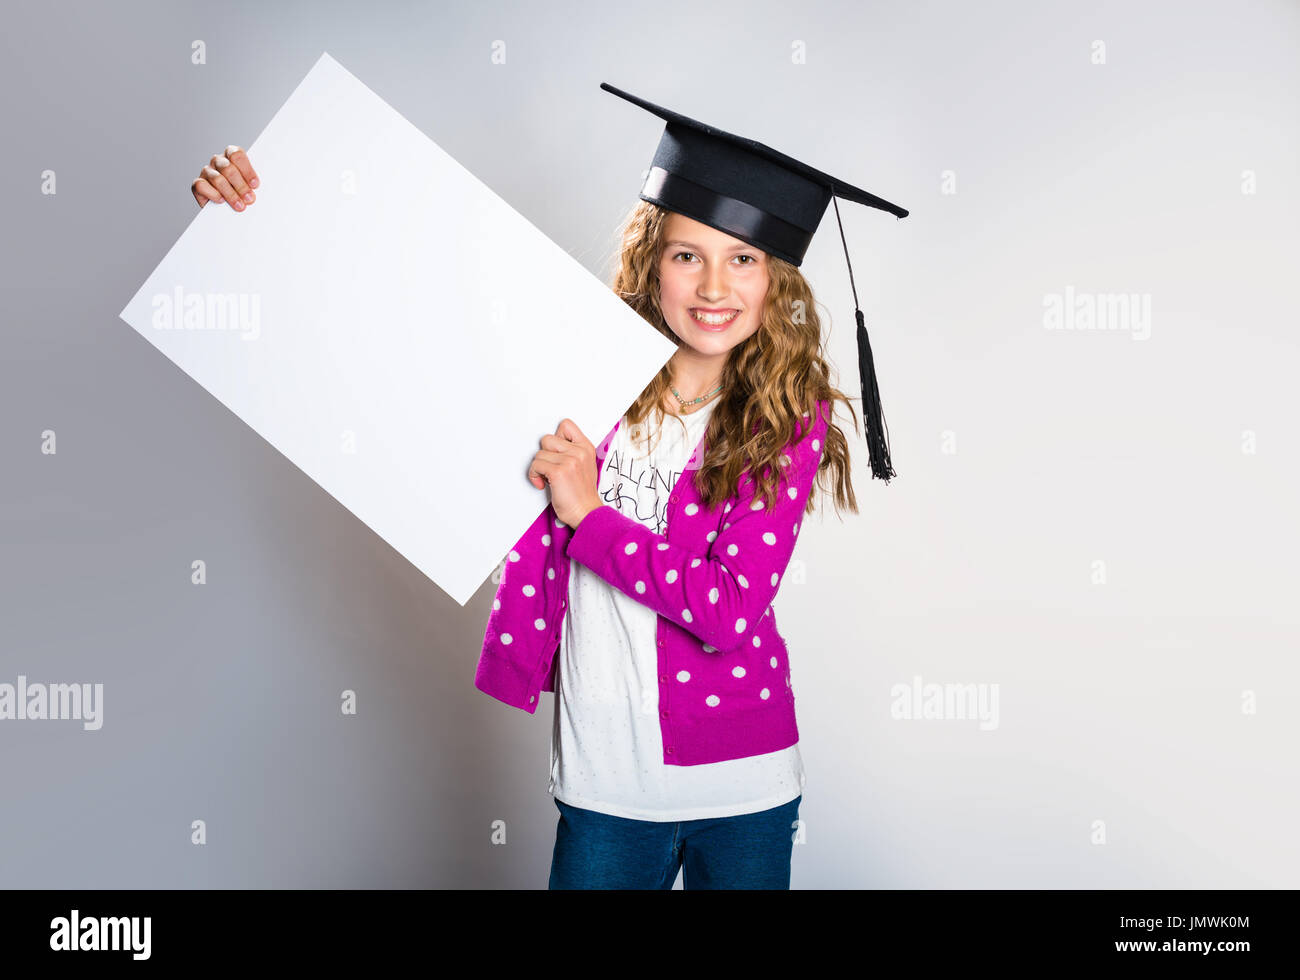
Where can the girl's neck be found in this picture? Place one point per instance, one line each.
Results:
(693, 377)
(673, 407)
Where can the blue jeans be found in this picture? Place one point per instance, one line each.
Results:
(598, 850)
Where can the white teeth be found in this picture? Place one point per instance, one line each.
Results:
(714, 319)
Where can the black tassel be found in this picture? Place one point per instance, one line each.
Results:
(872, 413)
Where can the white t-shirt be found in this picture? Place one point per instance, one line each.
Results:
(606, 744)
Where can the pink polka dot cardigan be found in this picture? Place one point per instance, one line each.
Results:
(724, 675)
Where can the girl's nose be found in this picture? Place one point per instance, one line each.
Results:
(714, 286)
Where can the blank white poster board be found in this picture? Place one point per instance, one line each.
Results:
(394, 328)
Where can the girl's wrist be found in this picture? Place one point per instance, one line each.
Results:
(587, 509)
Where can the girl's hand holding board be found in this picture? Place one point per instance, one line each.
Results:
(228, 177)
(567, 462)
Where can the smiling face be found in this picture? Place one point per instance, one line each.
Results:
(712, 287)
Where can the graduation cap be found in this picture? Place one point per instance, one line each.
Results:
(770, 200)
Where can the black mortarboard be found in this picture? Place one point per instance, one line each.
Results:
(773, 202)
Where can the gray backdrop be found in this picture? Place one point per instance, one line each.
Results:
(1097, 525)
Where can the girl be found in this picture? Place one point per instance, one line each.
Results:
(674, 743)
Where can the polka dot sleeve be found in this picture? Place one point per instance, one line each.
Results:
(719, 595)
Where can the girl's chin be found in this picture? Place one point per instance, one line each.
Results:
(708, 345)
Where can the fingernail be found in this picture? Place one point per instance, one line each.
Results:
(239, 205)
(249, 197)
(253, 182)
